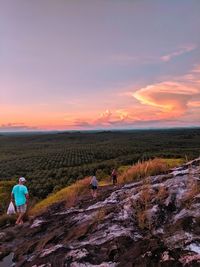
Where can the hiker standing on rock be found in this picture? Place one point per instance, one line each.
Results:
(114, 176)
(94, 186)
(20, 197)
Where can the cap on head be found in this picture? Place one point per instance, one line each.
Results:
(22, 179)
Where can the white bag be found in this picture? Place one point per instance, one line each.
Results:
(11, 209)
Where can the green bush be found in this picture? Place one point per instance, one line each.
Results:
(5, 194)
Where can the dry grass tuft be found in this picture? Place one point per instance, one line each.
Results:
(99, 216)
(162, 193)
(147, 168)
(143, 204)
(193, 189)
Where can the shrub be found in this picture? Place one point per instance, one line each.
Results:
(5, 192)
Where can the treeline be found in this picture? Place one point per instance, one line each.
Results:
(52, 161)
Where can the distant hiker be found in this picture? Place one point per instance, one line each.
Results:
(20, 197)
(94, 186)
(114, 176)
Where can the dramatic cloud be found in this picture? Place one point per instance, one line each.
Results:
(173, 99)
(169, 103)
(118, 119)
(169, 97)
(173, 102)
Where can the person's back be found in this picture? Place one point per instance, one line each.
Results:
(19, 191)
(94, 184)
(94, 181)
(20, 196)
(114, 173)
(114, 176)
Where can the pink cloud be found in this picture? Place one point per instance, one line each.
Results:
(169, 97)
(194, 104)
(142, 59)
(175, 98)
(172, 102)
(181, 51)
(16, 127)
(104, 117)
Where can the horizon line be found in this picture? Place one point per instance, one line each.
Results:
(99, 130)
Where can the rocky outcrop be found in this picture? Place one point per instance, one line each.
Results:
(155, 222)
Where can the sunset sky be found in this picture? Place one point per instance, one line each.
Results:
(99, 64)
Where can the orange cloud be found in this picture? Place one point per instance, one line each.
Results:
(194, 104)
(169, 97)
(104, 117)
(174, 102)
(178, 99)
(165, 103)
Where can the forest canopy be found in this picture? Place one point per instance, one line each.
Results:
(51, 161)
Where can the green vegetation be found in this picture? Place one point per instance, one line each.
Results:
(5, 191)
(70, 195)
(53, 161)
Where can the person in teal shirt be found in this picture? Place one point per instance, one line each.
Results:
(20, 196)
